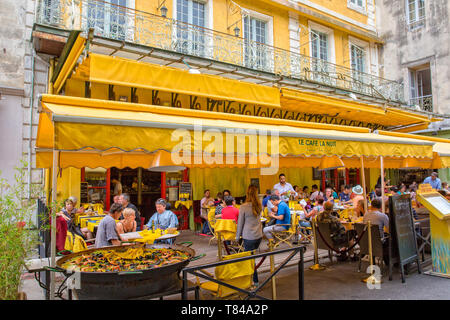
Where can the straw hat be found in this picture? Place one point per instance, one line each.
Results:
(357, 189)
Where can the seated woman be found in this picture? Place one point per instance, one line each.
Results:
(128, 224)
(338, 233)
(359, 210)
(311, 214)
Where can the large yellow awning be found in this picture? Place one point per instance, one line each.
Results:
(130, 73)
(314, 103)
(441, 147)
(109, 128)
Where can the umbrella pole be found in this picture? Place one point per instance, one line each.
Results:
(364, 184)
(53, 226)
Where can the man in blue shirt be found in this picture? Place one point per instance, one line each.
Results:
(434, 181)
(163, 218)
(282, 217)
(345, 195)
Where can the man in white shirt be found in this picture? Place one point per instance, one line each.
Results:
(315, 193)
(117, 187)
(284, 188)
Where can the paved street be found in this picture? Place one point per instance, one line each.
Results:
(340, 281)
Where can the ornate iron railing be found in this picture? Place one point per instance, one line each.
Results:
(425, 103)
(143, 28)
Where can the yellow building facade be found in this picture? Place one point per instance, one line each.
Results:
(327, 43)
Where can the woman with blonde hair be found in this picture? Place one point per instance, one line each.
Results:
(249, 223)
(128, 224)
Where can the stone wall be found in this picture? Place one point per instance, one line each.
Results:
(19, 125)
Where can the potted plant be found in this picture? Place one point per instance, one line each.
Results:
(18, 233)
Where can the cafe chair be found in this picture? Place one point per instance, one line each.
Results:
(289, 235)
(377, 245)
(212, 224)
(238, 274)
(324, 228)
(226, 235)
(305, 232)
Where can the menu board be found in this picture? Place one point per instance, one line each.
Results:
(440, 204)
(83, 192)
(186, 187)
(402, 221)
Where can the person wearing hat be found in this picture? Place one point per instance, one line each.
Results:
(434, 181)
(358, 192)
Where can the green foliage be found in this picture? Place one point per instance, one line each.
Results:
(18, 232)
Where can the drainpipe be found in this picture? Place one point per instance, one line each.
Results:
(30, 144)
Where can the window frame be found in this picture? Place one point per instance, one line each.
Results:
(269, 35)
(208, 46)
(331, 45)
(106, 31)
(354, 6)
(418, 22)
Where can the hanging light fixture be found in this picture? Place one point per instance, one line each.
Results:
(162, 162)
(329, 163)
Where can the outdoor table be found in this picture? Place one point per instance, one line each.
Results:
(81, 220)
(149, 237)
(92, 224)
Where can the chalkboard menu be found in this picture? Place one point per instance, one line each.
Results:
(84, 192)
(402, 229)
(186, 187)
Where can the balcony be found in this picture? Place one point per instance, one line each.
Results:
(133, 26)
(424, 103)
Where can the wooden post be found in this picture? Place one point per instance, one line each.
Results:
(272, 269)
(364, 183)
(139, 188)
(163, 185)
(53, 226)
(383, 206)
(108, 189)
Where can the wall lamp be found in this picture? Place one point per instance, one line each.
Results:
(162, 8)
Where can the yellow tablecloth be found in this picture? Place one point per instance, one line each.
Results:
(149, 237)
(227, 228)
(187, 204)
(84, 222)
(92, 224)
(79, 217)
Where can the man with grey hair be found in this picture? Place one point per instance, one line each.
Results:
(162, 218)
(434, 181)
(124, 200)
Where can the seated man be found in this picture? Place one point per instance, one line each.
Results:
(106, 231)
(162, 218)
(282, 216)
(344, 196)
(375, 216)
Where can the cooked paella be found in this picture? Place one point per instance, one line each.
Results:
(132, 259)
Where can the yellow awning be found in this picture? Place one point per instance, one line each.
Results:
(112, 128)
(69, 64)
(314, 103)
(130, 73)
(441, 147)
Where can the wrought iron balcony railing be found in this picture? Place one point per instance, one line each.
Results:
(121, 23)
(425, 103)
